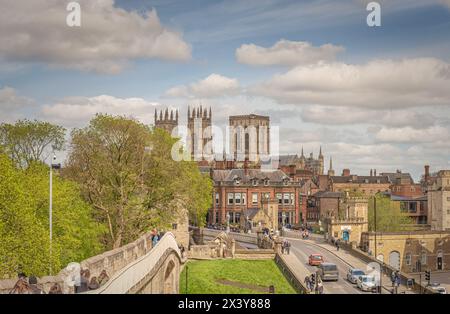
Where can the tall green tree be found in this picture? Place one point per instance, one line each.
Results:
(388, 214)
(127, 173)
(27, 141)
(24, 225)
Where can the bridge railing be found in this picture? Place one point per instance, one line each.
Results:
(129, 277)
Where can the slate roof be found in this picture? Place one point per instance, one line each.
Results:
(276, 176)
(360, 179)
(393, 176)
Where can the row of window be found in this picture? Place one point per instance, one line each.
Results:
(240, 198)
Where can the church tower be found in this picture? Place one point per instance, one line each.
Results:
(167, 122)
(199, 126)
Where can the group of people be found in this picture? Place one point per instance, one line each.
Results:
(87, 283)
(285, 247)
(30, 285)
(313, 283)
(305, 234)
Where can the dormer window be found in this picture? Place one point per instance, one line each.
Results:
(266, 182)
(254, 182)
(285, 181)
(237, 180)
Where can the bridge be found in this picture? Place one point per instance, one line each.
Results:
(137, 267)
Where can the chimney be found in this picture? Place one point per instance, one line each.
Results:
(427, 172)
(371, 173)
(375, 172)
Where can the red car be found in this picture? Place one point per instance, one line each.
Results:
(315, 259)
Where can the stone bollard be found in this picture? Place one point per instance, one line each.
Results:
(278, 243)
(233, 247)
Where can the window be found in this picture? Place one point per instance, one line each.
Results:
(292, 198)
(280, 198)
(448, 199)
(237, 217)
(286, 198)
(254, 182)
(217, 198)
(423, 258)
(408, 259)
(237, 198)
(254, 198)
(244, 198)
(230, 198)
(266, 182)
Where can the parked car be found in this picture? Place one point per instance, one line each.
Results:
(366, 283)
(438, 288)
(353, 274)
(328, 271)
(315, 259)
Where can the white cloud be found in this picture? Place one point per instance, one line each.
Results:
(214, 85)
(346, 115)
(286, 52)
(410, 135)
(109, 37)
(377, 84)
(12, 104)
(77, 111)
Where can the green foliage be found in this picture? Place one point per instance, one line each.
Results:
(388, 214)
(24, 224)
(127, 173)
(27, 141)
(203, 277)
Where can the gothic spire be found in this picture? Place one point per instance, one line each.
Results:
(171, 115)
(155, 115)
(189, 111)
(210, 114)
(166, 115)
(331, 163)
(176, 115)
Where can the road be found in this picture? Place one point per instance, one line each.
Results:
(302, 250)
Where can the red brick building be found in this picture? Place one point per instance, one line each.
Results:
(238, 191)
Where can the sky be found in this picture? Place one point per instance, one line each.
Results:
(372, 97)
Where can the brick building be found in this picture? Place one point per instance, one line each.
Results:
(368, 185)
(236, 191)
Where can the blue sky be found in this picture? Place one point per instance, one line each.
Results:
(55, 69)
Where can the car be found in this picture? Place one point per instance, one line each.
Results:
(438, 288)
(353, 274)
(366, 283)
(328, 271)
(315, 259)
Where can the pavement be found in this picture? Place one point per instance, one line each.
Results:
(298, 259)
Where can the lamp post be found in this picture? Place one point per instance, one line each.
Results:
(283, 218)
(53, 165)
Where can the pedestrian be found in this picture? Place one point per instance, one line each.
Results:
(55, 289)
(393, 278)
(21, 287)
(288, 247)
(319, 286)
(337, 245)
(308, 283)
(397, 282)
(32, 281)
(155, 237)
(93, 285)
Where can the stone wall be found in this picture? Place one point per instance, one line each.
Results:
(112, 261)
(412, 247)
(296, 282)
(386, 269)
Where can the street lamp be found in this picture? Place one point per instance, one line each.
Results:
(53, 165)
(228, 222)
(283, 218)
